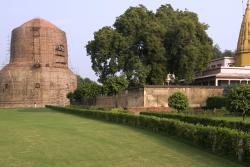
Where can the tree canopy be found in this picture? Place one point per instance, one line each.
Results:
(217, 53)
(145, 46)
(86, 88)
(239, 99)
(115, 85)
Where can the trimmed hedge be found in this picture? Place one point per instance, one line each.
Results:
(242, 126)
(222, 141)
(216, 102)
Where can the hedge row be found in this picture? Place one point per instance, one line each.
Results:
(242, 126)
(222, 141)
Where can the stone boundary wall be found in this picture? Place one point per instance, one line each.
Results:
(156, 97)
(127, 99)
(112, 101)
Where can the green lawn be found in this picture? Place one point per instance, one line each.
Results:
(222, 115)
(225, 117)
(233, 118)
(34, 139)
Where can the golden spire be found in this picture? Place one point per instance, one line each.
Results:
(243, 47)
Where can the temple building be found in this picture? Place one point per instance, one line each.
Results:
(230, 70)
(38, 73)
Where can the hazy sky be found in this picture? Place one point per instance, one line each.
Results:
(81, 18)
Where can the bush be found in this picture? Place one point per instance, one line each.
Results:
(239, 99)
(119, 110)
(114, 85)
(222, 141)
(86, 89)
(178, 101)
(242, 126)
(216, 102)
(70, 95)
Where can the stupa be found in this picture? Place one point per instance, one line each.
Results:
(37, 73)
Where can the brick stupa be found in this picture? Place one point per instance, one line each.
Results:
(38, 73)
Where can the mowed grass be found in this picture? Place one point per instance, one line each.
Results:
(47, 138)
(233, 118)
(219, 116)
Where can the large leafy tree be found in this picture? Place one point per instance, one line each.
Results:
(107, 51)
(144, 46)
(188, 47)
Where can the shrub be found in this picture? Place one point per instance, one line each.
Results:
(114, 85)
(122, 110)
(222, 141)
(216, 102)
(70, 95)
(239, 99)
(86, 89)
(242, 126)
(178, 101)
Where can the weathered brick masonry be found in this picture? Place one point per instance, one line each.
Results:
(38, 72)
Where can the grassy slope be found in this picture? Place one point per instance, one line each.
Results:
(58, 140)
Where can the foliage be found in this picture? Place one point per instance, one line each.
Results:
(204, 120)
(228, 53)
(223, 141)
(216, 102)
(178, 101)
(216, 53)
(114, 85)
(90, 107)
(86, 88)
(185, 43)
(145, 46)
(70, 95)
(99, 108)
(239, 99)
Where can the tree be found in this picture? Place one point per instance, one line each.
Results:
(216, 53)
(188, 46)
(86, 88)
(115, 85)
(239, 100)
(178, 101)
(228, 53)
(81, 80)
(145, 46)
(107, 52)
